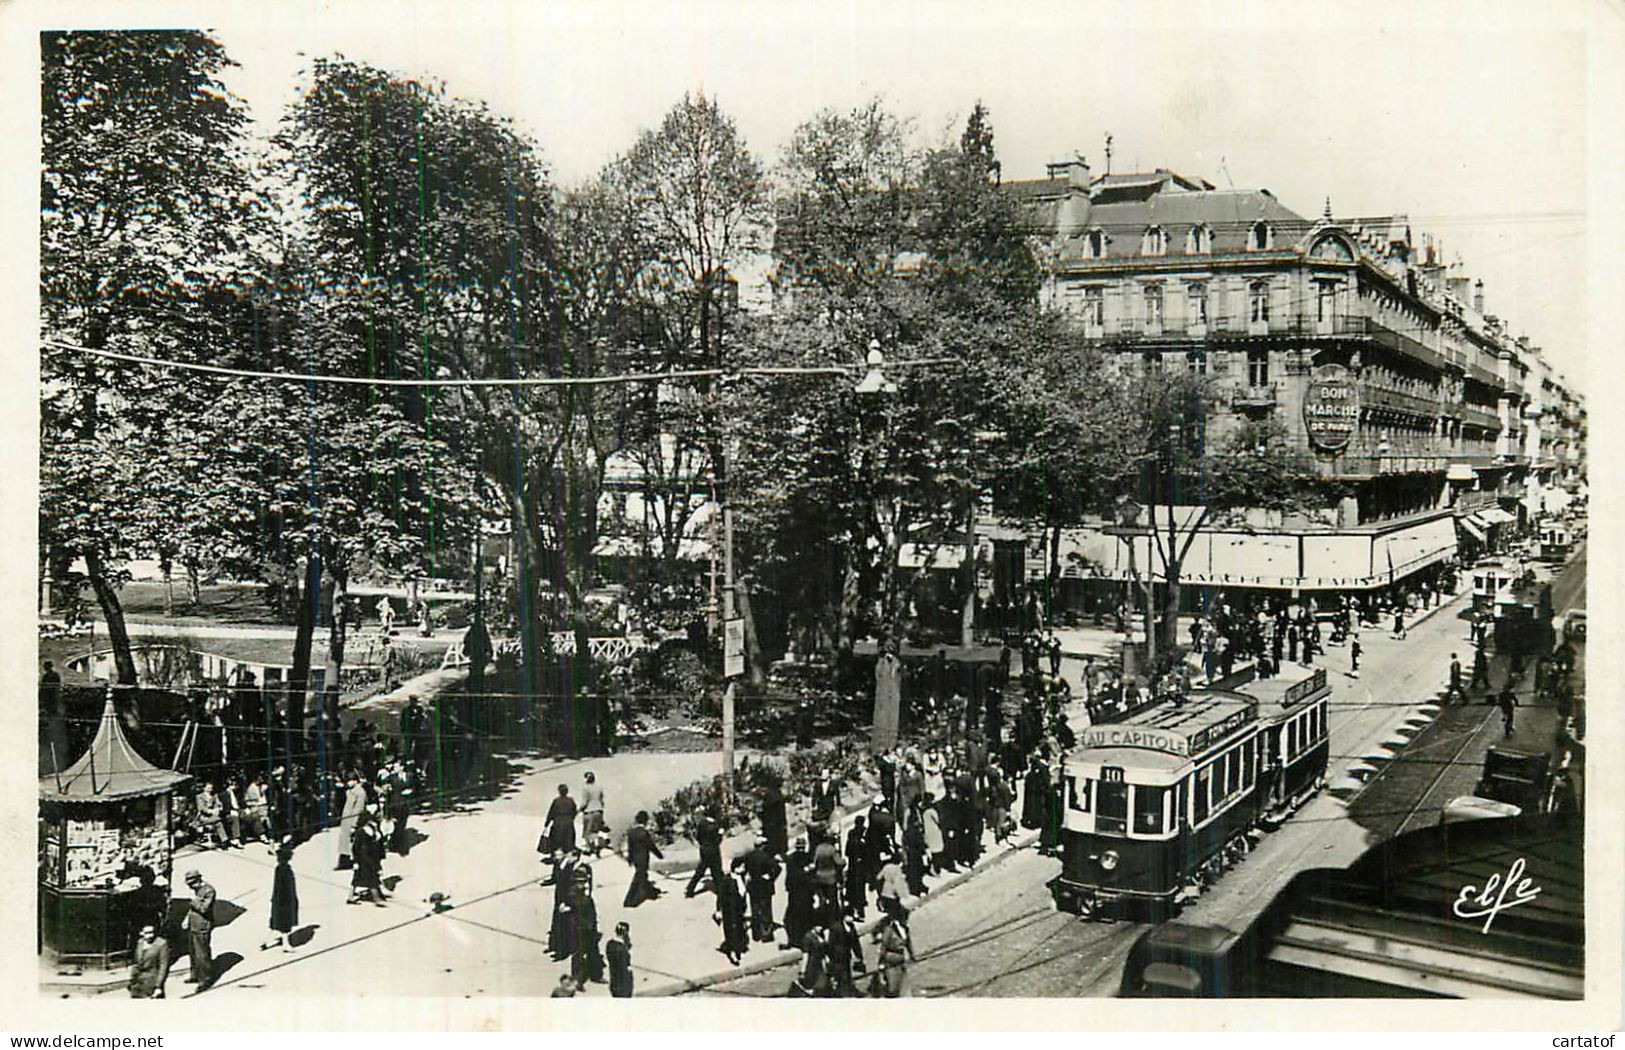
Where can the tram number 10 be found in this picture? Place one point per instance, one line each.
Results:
(1111, 774)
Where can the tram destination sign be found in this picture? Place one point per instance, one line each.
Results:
(1136, 736)
(1331, 407)
(1168, 741)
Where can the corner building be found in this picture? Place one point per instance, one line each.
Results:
(1376, 357)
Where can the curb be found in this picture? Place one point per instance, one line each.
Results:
(784, 957)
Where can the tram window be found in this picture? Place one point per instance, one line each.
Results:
(1180, 791)
(1292, 739)
(1080, 794)
(1232, 772)
(1111, 807)
(1148, 809)
(1199, 799)
(1247, 764)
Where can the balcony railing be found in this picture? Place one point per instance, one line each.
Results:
(1262, 396)
(1374, 395)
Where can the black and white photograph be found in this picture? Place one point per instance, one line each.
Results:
(725, 502)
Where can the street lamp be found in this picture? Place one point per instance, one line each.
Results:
(873, 382)
(887, 685)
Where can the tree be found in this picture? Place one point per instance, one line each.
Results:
(877, 240)
(146, 209)
(698, 200)
(402, 251)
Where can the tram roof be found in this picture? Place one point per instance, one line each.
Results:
(1183, 729)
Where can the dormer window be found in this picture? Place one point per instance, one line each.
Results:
(1154, 241)
(1261, 238)
(1199, 241)
(1094, 245)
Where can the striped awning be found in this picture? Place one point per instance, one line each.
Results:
(1474, 528)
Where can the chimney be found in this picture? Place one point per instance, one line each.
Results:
(1075, 171)
(1478, 295)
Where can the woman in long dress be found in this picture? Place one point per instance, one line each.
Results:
(731, 917)
(284, 900)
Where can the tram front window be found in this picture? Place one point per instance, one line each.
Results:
(1111, 807)
(1148, 810)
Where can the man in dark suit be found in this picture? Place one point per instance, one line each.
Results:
(798, 889)
(640, 845)
(199, 927)
(761, 871)
(709, 838)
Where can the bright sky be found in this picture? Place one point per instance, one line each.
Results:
(1475, 126)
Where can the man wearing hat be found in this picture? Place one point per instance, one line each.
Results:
(882, 831)
(199, 927)
(761, 871)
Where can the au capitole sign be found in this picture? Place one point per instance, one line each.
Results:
(1331, 407)
(1135, 736)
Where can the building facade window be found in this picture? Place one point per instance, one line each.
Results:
(1196, 362)
(1153, 306)
(1154, 241)
(1325, 301)
(1258, 367)
(1094, 244)
(1261, 238)
(1258, 302)
(1199, 241)
(1094, 307)
(1196, 296)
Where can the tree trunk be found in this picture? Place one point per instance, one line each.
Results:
(303, 640)
(113, 613)
(967, 575)
(753, 646)
(847, 616)
(888, 666)
(168, 565)
(529, 565)
(1170, 610)
(337, 626)
(1053, 575)
(194, 582)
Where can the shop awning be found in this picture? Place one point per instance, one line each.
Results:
(939, 556)
(1495, 516)
(1473, 528)
(1459, 472)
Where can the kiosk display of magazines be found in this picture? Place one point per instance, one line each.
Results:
(105, 848)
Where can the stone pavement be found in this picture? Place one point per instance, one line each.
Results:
(493, 939)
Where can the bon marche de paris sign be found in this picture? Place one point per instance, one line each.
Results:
(1331, 407)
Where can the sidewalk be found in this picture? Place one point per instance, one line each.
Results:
(493, 940)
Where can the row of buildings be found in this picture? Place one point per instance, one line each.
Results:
(1378, 358)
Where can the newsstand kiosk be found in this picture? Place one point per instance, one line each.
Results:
(105, 850)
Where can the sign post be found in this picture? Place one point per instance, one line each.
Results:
(733, 648)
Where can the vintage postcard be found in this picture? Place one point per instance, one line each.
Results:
(733, 504)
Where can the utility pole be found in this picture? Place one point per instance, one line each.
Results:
(728, 631)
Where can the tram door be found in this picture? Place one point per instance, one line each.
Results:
(1111, 802)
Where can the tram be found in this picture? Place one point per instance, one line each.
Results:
(1157, 803)
(1555, 543)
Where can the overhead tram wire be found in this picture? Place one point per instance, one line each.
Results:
(537, 381)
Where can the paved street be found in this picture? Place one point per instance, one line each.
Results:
(1000, 934)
